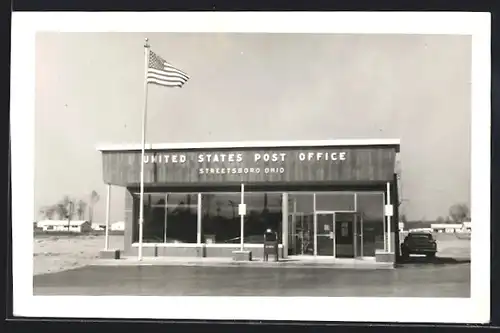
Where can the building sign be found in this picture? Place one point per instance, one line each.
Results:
(231, 166)
(240, 163)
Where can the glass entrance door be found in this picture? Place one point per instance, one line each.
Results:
(347, 235)
(325, 234)
(301, 237)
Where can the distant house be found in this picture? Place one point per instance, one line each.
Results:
(35, 226)
(98, 227)
(447, 227)
(62, 226)
(421, 230)
(118, 226)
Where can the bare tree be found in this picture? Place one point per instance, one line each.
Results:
(61, 209)
(218, 205)
(94, 198)
(265, 209)
(81, 206)
(65, 209)
(71, 211)
(48, 212)
(207, 203)
(233, 207)
(459, 212)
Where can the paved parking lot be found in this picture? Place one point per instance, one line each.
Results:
(415, 279)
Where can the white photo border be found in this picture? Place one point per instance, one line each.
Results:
(475, 309)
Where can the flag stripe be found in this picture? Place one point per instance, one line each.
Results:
(158, 72)
(167, 82)
(166, 77)
(162, 73)
(164, 83)
(171, 68)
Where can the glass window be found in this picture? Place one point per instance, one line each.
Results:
(221, 222)
(419, 236)
(174, 223)
(370, 205)
(301, 202)
(301, 224)
(335, 201)
(263, 212)
(220, 219)
(182, 218)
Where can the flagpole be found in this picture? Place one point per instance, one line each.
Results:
(144, 112)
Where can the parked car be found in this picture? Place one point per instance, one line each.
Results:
(419, 243)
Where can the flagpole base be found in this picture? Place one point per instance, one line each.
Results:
(109, 254)
(242, 255)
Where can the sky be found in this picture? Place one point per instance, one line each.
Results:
(255, 87)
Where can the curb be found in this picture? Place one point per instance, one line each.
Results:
(247, 265)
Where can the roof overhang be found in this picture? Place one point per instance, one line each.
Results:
(253, 144)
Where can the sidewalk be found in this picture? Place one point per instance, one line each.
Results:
(229, 262)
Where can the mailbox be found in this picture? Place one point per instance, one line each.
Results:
(271, 245)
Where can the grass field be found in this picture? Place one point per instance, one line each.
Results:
(58, 253)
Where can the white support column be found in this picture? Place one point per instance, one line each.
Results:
(198, 220)
(389, 218)
(108, 206)
(294, 226)
(315, 226)
(385, 223)
(362, 237)
(242, 219)
(284, 227)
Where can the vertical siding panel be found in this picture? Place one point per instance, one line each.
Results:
(105, 170)
(359, 159)
(372, 160)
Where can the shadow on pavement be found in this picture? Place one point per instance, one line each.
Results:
(432, 261)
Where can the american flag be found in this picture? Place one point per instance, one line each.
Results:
(162, 73)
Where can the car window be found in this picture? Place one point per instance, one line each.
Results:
(420, 236)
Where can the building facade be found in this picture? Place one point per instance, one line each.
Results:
(333, 198)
